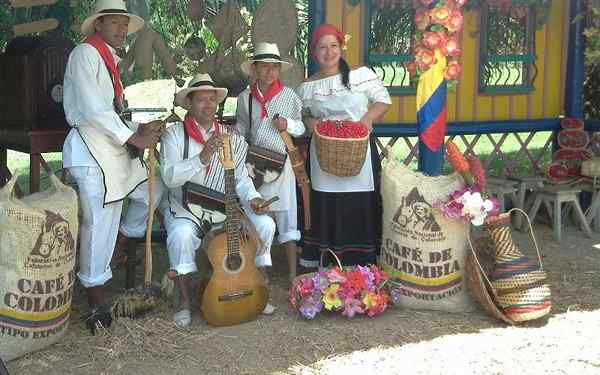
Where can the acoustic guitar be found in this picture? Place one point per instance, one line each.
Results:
(236, 291)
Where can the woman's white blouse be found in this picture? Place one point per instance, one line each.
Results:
(329, 99)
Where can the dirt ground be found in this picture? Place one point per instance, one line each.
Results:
(399, 341)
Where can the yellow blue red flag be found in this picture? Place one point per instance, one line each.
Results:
(431, 104)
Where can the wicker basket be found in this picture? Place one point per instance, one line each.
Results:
(342, 157)
(479, 263)
(520, 285)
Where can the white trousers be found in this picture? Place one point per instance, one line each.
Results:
(183, 240)
(287, 224)
(100, 224)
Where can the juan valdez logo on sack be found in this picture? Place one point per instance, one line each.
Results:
(54, 246)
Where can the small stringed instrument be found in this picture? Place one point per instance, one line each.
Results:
(299, 171)
(236, 292)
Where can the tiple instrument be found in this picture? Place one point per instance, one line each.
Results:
(300, 172)
(236, 292)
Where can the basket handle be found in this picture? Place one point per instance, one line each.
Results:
(537, 249)
(328, 250)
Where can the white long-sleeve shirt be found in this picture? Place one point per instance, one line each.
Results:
(98, 136)
(177, 170)
(88, 101)
(260, 132)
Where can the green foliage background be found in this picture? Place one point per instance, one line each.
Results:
(168, 17)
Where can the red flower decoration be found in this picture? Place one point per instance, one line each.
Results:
(432, 40)
(424, 58)
(356, 280)
(455, 21)
(451, 47)
(440, 15)
(422, 20)
(452, 70)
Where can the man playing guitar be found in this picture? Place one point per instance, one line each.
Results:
(198, 138)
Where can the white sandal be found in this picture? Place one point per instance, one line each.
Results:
(183, 318)
(269, 309)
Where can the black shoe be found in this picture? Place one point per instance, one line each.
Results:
(99, 317)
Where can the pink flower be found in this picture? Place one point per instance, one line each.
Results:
(424, 58)
(352, 307)
(379, 276)
(456, 3)
(306, 287)
(452, 70)
(427, 2)
(440, 15)
(422, 20)
(455, 21)
(451, 47)
(336, 275)
(431, 40)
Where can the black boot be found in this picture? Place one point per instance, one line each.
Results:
(99, 317)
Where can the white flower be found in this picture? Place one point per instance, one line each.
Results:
(475, 207)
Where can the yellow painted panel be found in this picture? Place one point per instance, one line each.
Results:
(352, 26)
(483, 108)
(554, 56)
(537, 97)
(519, 107)
(334, 12)
(501, 107)
(393, 114)
(451, 105)
(409, 109)
(469, 59)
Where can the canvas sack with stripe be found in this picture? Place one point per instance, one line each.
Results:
(422, 251)
(38, 236)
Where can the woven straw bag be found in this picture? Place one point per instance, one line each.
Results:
(342, 157)
(477, 264)
(519, 285)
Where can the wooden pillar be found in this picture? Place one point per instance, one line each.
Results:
(431, 163)
(316, 16)
(575, 61)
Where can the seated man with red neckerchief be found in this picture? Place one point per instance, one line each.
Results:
(189, 153)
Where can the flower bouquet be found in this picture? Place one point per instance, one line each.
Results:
(347, 290)
(471, 203)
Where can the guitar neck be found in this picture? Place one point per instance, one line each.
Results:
(232, 225)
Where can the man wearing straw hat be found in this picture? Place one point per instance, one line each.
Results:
(189, 153)
(96, 149)
(264, 109)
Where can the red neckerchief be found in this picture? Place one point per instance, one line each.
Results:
(193, 130)
(275, 88)
(108, 58)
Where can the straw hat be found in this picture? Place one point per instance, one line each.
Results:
(111, 7)
(265, 52)
(200, 82)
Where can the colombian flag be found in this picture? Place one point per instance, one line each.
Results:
(431, 104)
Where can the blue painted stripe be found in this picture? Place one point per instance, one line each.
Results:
(433, 107)
(34, 323)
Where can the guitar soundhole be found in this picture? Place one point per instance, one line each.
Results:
(234, 262)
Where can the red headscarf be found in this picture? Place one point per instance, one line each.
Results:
(326, 29)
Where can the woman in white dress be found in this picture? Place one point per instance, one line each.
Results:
(345, 211)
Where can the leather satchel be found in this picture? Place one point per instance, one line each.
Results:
(264, 165)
